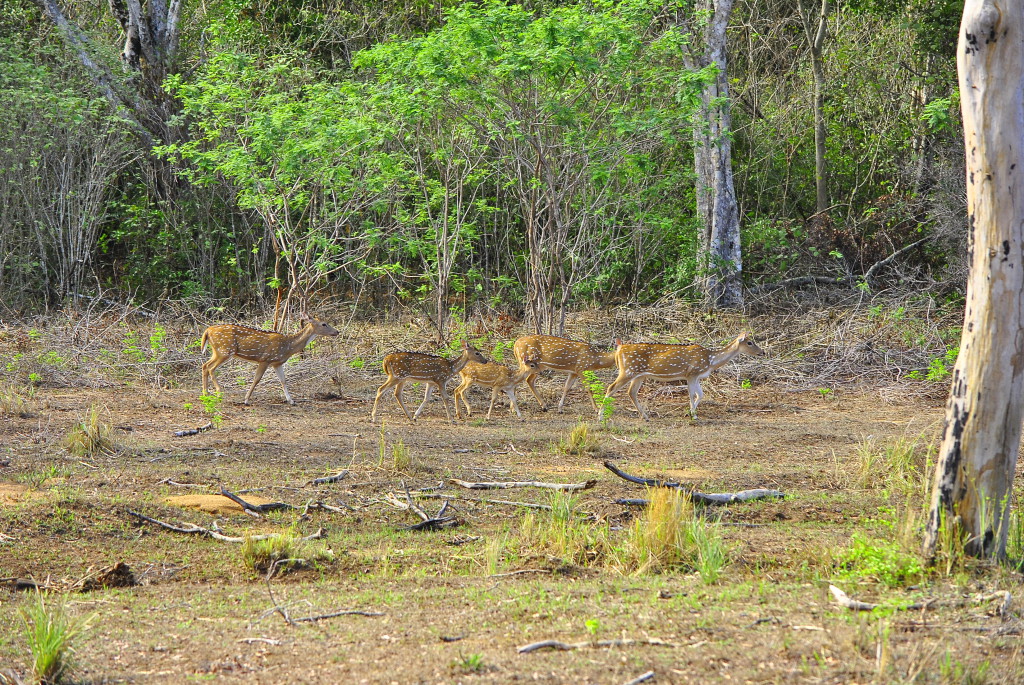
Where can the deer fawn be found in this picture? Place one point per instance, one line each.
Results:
(691, 363)
(266, 348)
(405, 367)
(560, 354)
(498, 377)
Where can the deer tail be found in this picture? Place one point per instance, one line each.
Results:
(205, 338)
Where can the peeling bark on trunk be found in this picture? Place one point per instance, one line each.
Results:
(716, 196)
(150, 50)
(981, 438)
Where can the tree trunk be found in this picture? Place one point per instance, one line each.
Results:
(815, 41)
(716, 196)
(981, 438)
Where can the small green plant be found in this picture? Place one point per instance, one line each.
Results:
(211, 405)
(156, 340)
(262, 428)
(593, 627)
(357, 363)
(605, 405)
(881, 561)
(187, 406)
(90, 437)
(51, 635)
(494, 553)
(34, 378)
(469, 663)
(580, 441)
(825, 393)
(401, 458)
(498, 353)
(281, 553)
(746, 384)
(132, 350)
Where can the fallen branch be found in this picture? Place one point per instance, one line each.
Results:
(193, 431)
(192, 529)
(567, 646)
(523, 484)
(257, 508)
(520, 572)
(528, 505)
(642, 678)
(848, 602)
(700, 497)
(329, 479)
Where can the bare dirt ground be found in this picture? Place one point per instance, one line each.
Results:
(452, 609)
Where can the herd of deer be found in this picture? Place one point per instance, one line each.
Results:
(636, 362)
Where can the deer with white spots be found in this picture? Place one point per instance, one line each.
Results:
(561, 354)
(408, 367)
(267, 348)
(497, 377)
(691, 363)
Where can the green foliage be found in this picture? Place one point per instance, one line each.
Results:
(881, 561)
(605, 404)
(211, 405)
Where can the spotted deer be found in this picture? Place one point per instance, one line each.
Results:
(561, 354)
(407, 367)
(691, 363)
(265, 348)
(497, 377)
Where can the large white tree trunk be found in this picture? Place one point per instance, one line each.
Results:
(974, 476)
(716, 196)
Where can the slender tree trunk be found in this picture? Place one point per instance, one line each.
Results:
(815, 41)
(981, 438)
(716, 196)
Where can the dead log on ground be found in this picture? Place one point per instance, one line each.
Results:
(597, 644)
(193, 431)
(192, 529)
(711, 498)
(848, 602)
(256, 508)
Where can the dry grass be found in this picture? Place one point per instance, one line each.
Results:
(90, 437)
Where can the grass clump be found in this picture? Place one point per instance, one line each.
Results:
(279, 554)
(668, 535)
(90, 437)
(14, 402)
(51, 635)
(580, 442)
(896, 466)
(563, 531)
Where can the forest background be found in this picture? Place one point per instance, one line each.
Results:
(454, 158)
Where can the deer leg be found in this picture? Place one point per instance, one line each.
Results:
(426, 398)
(380, 391)
(531, 381)
(399, 388)
(460, 394)
(210, 366)
(512, 400)
(565, 391)
(696, 393)
(494, 396)
(634, 389)
(444, 399)
(613, 388)
(260, 370)
(280, 374)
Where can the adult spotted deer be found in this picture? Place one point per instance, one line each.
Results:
(407, 367)
(266, 348)
(561, 354)
(691, 363)
(497, 377)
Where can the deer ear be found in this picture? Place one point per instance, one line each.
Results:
(618, 343)
(465, 344)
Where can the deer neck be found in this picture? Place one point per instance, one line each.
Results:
(459, 363)
(521, 375)
(298, 341)
(721, 357)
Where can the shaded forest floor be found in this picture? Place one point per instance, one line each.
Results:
(851, 460)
